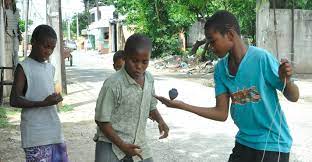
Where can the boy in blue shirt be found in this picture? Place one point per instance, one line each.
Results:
(249, 76)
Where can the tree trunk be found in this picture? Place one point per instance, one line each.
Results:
(197, 45)
(282, 4)
(203, 55)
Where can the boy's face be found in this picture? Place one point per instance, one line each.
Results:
(118, 64)
(220, 44)
(136, 63)
(45, 48)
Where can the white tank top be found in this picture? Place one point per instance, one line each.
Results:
(39, 126)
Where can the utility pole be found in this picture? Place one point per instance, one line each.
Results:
(68, 28)
(97, 10)
(77, 25)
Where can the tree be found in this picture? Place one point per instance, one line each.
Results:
(288, 4)
(92, 3)
(298, 4)
(163, 20)
(21, 24)
(82, 20)
(244, 10)
(87, 4)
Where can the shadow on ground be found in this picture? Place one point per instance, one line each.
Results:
(181, 146)
(82, 75)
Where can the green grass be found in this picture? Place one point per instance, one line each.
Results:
(3, 118)
(9, 111)
(13, 111)
(66, 108)
(4, 113)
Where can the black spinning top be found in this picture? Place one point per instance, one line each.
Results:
(173, 93)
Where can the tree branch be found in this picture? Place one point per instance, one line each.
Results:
(196, 45)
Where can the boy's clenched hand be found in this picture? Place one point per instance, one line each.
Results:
(53, 99)
(285, 70)
(132, 150)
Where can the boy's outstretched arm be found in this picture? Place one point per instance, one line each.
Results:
(163, 128)
(291, 91)
(219, 112)
(17, 97)
(108, 130)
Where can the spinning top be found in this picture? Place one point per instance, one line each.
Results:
(173, 93)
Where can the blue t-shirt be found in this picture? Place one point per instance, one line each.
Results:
(254, 100)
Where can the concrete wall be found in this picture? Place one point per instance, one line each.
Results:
(196, 32)
(6, 53)
(302, 39)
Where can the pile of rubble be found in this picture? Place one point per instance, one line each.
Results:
(188, 64)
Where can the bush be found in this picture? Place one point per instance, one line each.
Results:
(209, 55)
(165, 46)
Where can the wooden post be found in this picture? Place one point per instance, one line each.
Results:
(63, 71)
(275, 29)
(292, 50)
(26, 29)
(54, 20)
(2, 31)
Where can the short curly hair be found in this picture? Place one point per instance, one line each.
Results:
(119, 55)
(43, 32)
(222, 21)
(136, 42)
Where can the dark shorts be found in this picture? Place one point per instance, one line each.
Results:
(104, 153)
(241, 153)
(47, 153)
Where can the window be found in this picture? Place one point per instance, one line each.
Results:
(106, 35)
